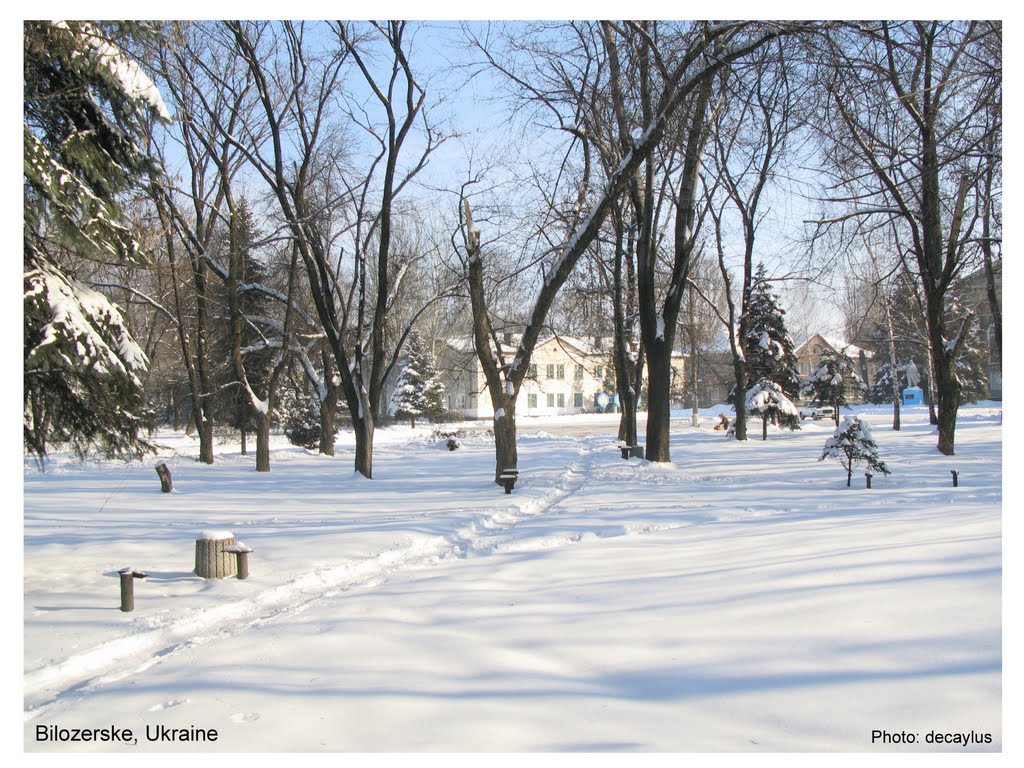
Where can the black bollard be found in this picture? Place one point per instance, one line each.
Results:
(868, 477)
(956, 480)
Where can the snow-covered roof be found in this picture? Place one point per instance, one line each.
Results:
(848, 349)
(838, 345)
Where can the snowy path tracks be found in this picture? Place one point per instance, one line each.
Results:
(127, 655)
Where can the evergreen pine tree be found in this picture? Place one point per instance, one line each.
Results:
(880, 390)
(971, 370)
(971, 362)
(768, 345)
(85, 108)
(418, 392)
(828, 381)
(853, 443)
(767, 400)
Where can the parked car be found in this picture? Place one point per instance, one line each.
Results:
(824, 412)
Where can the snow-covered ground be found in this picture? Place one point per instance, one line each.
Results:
(739, 599)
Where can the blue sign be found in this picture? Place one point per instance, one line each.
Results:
(603, 399)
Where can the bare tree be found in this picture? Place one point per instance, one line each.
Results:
(191, 216)
(702, 55)
(909, 105)
(749, 140)
(297, 75)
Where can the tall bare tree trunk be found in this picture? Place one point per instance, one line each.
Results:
(263, 442)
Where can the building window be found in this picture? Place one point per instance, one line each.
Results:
(531, 371)
(531, 401)
(579, 372)
(577, 399)
(599, 372)
(551, 370)
(561, 372)
(551, 400)
(561, 400)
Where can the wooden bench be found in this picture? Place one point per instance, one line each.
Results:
(632, 450)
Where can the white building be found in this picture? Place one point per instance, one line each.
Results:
(566, 376)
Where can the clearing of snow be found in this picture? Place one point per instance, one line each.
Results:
(739, 599)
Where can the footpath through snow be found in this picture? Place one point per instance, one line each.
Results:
(738, 599)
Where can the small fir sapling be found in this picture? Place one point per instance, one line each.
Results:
(767, 400)
(828, 380)
(851, 444)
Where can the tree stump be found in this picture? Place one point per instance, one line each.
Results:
(212, 562)
(165, 477)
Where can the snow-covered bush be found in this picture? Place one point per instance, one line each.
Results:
(853, 444)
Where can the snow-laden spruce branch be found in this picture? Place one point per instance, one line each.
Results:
(140, 295)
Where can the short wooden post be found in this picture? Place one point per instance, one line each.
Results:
(212, 562)
(241, 553)
(165, 477)
(868, 476)
(128, 577)
(955, 477)
(626, 450)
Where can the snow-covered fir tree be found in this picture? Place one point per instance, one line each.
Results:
(971, 363)
(86, 105)
(81, 371)
(767, 343)
(881, 390)
(767, 400)
(828, 381)
(852, 444)
(298, 412)
(419, 391)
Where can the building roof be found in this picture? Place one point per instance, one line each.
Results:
(837, 346)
